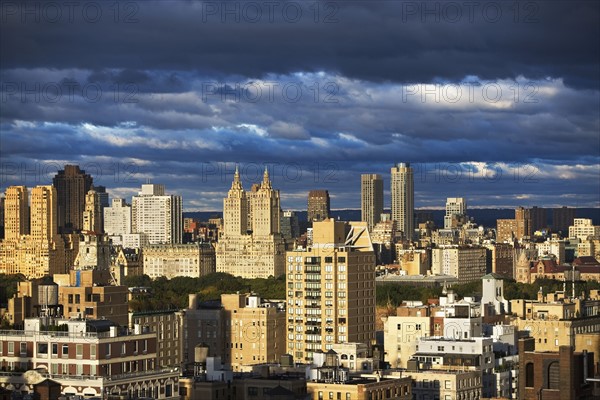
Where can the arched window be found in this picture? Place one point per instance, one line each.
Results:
(529, 381)
(554, 375)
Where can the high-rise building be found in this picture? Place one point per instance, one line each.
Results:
(72, 184)
(506, 230)
(16, 214)
(92, 214)
(157, 215)
(117, 218)
(562, 218)
(456, 212)
(102, 195)
(583, 228)
(331, 289)
(523, 221)
(44, 225)
(403, 204)
(290, 228)
(538, 219)
(371, 199)
(251, 245)
(42, 251)
(319, 207)
(1, 217)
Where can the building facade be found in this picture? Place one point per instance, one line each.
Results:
(371, 199)
(258, 252)
(331, 289)
(319, 206)
(171, 260)
(72, 184)
(157, 215)
(403, 198)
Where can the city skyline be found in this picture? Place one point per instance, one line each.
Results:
(461, 92)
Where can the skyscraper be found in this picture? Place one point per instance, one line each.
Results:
(92, 214)
(72, 184)
(157, 215)
(44, 226)
(456, 211)
(117, 218)
(371, 199)
(562, 219)
(403, 204)
(251, 245)
(319, 207)
(331, 295)
(102, 195)
(523, 223)
(16, 212)
(37, 250)
(538, 219)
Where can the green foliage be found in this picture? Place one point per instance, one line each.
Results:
(396, 294)
(8, 286)
(173, 293)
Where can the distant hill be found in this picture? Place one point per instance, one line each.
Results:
(483, 216)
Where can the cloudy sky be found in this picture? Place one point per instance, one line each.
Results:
(494, 101)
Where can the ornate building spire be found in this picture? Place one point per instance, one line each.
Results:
(266, 183)
(237, 182)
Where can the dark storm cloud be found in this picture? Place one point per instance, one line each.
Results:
(401, 41)
(178, 92)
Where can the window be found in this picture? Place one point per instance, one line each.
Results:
(11, 348)
(252, 391)
(554, 375)
(42, 349)
(92, 351)
(529, 381)
(54, 349)
(23, 348)
(79, 351)
(65, 350)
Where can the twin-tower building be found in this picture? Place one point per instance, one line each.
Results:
(251, 244)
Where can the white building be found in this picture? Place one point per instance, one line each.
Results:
(552, 247)
(473, 354)
(456, 211)
(582, 228)
(192, 260)
(445, 385)
(157, 215)
(117, 218)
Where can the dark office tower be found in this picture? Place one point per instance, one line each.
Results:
(562, 218)
(72, 184)
(290, 228)
(538, 219)
(318, 205)
(102, 195)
